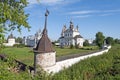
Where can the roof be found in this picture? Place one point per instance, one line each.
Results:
(10, 36)
(44, 45)
(61, 37)
(78, 36)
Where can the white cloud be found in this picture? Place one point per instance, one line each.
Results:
(115, 10)
(82, 16)
(33, 1)
(88, 13)
(52, 2)
(107, 14)
(93, 11)
(83, 12)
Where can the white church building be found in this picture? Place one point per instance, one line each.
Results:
(71, 36)
(32, 40)
(10, 40)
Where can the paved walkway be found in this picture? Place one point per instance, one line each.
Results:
(60, 65)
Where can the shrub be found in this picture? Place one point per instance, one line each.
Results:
(76, 46)
(19, 45)
(71, 46)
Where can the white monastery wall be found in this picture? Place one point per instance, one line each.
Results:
(69, 62)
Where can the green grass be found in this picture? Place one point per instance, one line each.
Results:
(26, 54)
(68, 51)
(22, 54)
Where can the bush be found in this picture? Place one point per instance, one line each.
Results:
(71, 46)
(76, 46)
(86, 43)
(19, 45)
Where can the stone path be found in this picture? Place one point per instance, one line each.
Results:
(60, 65)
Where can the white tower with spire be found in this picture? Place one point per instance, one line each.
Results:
(44, 54)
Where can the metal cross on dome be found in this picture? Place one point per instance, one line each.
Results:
(47, 12)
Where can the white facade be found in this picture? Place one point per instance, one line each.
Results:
(71, 36)
(32, 40)
(11, 40)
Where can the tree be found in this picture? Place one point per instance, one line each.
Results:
(19, 40)
(12, 16)
(86, 43)
(117, 41)
(99, 39)
(71, 46)
(109, 40)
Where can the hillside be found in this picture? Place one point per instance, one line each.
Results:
(103, 67)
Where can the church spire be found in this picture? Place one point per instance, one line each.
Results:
(77, 27)
(44, 45)
(63, 30)
(71, 25)
(45, 27)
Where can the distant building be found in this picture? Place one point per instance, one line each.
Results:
(90, 41)
(10, 40)
(32, 40)
(71, 36)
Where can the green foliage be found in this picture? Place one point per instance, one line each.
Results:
(19, 40)
(86, 43)
(2, 37)
(117, 41)
(12, 16)
(12, 12)
(99, 39)
(109, 41)
(19, 45)
(71, 46)
(9, 71)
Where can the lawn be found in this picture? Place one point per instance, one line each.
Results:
(68, 51)
(26, 54)
(22, 54)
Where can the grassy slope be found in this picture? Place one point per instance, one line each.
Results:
(103, 67)
(23, 54)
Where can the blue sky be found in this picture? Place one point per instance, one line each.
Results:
(90, 15)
